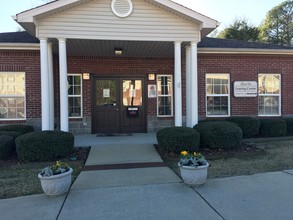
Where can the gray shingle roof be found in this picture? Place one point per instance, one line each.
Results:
(17, 37)
(207, 42)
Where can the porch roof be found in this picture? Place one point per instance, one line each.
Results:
(207, 45)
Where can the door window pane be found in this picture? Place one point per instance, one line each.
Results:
(132, 92)
(105, 92)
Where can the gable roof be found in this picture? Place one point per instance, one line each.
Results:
(29, 18)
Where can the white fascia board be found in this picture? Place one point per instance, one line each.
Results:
(19, 46)
(27, 16)
(207, 22)
(245, 51)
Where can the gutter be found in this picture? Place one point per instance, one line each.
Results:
(250, 51)
(19, 46)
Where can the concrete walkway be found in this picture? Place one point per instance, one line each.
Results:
(126, 179)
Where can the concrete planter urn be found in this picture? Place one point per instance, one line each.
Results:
(56, 180)
(195, 176)
(193, 168)
(56, 184)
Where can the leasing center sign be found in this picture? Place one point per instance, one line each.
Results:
(245, 89)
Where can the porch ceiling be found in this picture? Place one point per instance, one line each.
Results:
(81, 47)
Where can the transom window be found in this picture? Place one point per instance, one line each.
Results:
(165, 96)
(12, 96)
(217, 95)
(74, 95)
(269, 94)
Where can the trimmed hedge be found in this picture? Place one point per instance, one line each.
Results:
(289, 122)
(6, 146)
(44, 145)
(177, 139)
(13, 134)
(23, 129)
(249, 126)
(219, 134)
(275, 127)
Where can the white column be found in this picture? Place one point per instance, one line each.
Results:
(63, 85)
(44, 84)
(177, 83)
(194, 84)
(188, 87)
(51, 86)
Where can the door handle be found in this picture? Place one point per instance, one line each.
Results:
(117, 109)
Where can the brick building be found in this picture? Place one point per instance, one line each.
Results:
(99, 66)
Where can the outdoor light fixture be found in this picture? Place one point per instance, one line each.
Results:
(151, 76)
(118, 51)
(86, 76)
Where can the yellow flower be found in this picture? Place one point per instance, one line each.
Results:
(194, 154)
(58, 164)
(184, 153)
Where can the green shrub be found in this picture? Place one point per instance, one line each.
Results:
(275, 127)
(44, 145)
(289, 122)
(13, 134)
(249, 126)
(6, 146)
(177, 139)
(23, 129)
(219, 134)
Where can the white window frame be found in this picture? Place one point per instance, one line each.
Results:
(276, 95)
(217, 95)
(16, 96)
(171, 95)
(81, 96)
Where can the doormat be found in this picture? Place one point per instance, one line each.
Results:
(113, 135)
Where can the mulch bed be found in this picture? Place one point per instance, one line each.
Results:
(217, 153)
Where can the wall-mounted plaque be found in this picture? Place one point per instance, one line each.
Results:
(245, 89)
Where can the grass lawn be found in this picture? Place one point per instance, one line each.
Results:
(20, 179)
(275, 156)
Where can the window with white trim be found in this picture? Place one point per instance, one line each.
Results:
(74, 95)
(12, 96)
(165, 96)
(217, 95)
(269, 94)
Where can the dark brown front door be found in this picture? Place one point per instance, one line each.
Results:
(119, 105)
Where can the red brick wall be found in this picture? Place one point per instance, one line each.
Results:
(28, 62)
(247, 68)
(240, 67)
(103, 66)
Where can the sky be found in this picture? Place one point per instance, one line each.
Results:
(224, 11)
